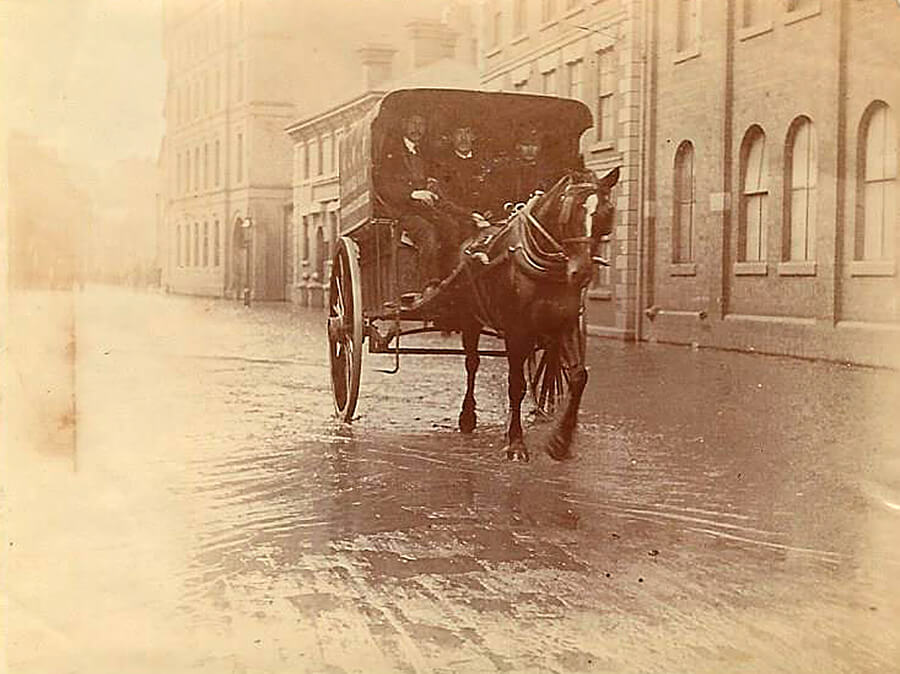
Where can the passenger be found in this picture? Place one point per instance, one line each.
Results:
(462, 174)
(521, 175)
(406, 183)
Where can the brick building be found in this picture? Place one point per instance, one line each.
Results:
(771, 183)
(758, 204)
(589, 50)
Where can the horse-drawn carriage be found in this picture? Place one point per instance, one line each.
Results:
(527, 286)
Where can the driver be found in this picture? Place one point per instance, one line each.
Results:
(407, 185)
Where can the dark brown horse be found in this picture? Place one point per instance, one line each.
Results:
(531, 293)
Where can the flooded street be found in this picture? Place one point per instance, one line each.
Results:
(189, 504)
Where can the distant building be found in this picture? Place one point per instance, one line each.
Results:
(225, 162)
(428, 48)
(50, 218)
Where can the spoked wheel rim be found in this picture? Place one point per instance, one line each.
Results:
(547, 371)
(344, 326)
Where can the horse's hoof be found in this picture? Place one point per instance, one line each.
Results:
(467, 421)
(517, 451)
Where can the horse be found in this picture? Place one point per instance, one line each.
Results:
(531, 293)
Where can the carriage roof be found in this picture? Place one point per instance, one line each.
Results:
(497, 118)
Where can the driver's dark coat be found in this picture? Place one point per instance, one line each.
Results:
(399, 173)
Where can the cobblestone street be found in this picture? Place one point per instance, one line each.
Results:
(177, 497)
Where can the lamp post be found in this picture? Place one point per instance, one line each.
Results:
(246, 226)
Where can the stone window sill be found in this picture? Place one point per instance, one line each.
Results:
(803, 13)
(873, 268)
(754, 268)
(603, 146)
(683, 269)
(686, 55)
(492, 51)
(797, 268)
(753, 31)
(517, 39)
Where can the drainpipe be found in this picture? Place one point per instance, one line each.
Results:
(644, 115)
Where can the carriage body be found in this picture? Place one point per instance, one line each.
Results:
(375, 268)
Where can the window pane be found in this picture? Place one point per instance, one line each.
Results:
(874, 221)
(811, 224)
(799, 204)
(755, 244)
(875, 145)
(754, 178)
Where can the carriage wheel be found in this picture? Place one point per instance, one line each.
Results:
(345, 327)
(548, 379)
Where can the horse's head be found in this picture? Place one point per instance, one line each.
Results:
(578, 212)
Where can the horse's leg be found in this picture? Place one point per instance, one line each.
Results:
(516, 352)
(470, 336)
(561, 439)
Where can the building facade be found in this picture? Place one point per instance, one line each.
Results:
(758, 205)
(772, 178)
(590, 50)
(225, 163)
(432, 45)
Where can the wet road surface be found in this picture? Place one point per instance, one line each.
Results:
(205, 513)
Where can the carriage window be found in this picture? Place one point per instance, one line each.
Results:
(800, 191)
(573, 75)
(877, 214)
(686, 39)
(754, 191)
(606, 87)
(683, 220)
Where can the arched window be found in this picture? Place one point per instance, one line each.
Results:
(754, 192)
(683, 213)
(801, 177)
(877, 190)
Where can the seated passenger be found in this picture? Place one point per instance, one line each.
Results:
(405, 182)
(519, 176)
(461, 174)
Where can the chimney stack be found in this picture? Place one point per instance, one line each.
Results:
(431, 41)
(376, 60)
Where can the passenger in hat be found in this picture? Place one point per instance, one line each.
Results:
(518, 174)
(406, 182)
(461, 177)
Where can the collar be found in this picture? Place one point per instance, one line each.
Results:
(463, 155)
(410, 146)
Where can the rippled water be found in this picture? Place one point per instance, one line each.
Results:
(722, 513)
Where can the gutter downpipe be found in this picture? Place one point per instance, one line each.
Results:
(644, 175)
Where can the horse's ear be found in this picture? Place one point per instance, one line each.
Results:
(609, 181)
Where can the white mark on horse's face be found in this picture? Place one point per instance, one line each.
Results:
(590, 207)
